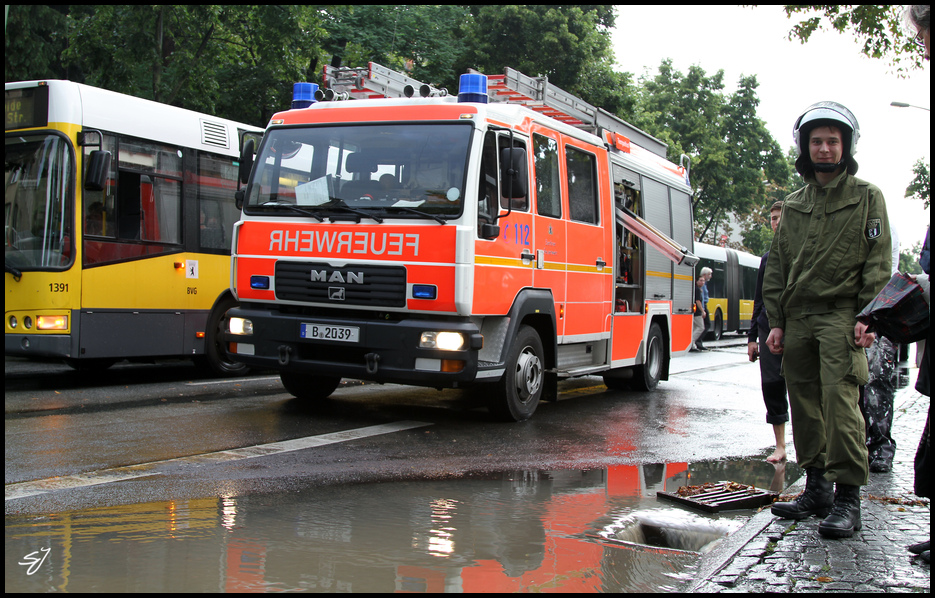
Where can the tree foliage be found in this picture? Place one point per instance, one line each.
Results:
(240, 61)
(921, 186)
(881, 30)
(731, 152)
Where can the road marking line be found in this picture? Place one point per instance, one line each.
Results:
(142, 470)
(232, 381)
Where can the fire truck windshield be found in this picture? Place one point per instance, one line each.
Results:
(377, 171)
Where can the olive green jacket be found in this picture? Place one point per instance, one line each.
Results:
(832, 250)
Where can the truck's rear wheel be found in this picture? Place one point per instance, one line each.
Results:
(309, 387)
(520, 389)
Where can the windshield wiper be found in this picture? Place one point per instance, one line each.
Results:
(17, 274)
(434, 217)
(292, 207)
(339, 204)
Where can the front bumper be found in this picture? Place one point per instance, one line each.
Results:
(386, 351)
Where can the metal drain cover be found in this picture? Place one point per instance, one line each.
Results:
(722, 496)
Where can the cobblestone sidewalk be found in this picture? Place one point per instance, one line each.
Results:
(790, 556)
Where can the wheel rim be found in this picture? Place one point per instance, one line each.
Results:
(654, 357)
(529, 374)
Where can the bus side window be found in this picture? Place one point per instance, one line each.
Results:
(216, 206)
(129, 205)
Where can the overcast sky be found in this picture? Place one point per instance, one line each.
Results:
(744, 41)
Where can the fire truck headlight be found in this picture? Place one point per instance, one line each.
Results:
(240, 326)
(445, 341)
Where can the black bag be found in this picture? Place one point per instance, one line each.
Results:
(899, 312)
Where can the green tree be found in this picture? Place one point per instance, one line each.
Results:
(731, 152)
(909, 259)
(235, 61)
(881, 29)
(424, 41)
(34, 42)
(920, 187)
(566, 43)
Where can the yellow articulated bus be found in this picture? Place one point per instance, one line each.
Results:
(731, 288)
(117, 226)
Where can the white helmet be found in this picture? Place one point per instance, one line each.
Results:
(826, 114)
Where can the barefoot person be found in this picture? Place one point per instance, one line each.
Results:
(772, 382)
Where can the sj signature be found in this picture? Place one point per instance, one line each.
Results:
(34, 561)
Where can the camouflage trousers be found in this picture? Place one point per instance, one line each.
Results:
(876, 400)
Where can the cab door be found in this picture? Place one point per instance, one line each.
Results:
(590, 263)
(503, 266)
(549, 240)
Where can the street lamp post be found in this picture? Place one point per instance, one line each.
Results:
(905, 105)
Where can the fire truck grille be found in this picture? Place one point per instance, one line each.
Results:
(319, 282)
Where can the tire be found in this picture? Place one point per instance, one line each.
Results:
(216, 356)
(717, 327)
(647, 375)
(309, 387)
(520, 389)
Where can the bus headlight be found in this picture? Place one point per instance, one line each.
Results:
(445, 341)
(240, 326)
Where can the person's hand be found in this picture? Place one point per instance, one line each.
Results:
(753, 350)
(862, 337)
(775, 341)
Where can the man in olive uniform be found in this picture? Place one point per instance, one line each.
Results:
(829, 258)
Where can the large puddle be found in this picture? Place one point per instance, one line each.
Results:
(514, 531)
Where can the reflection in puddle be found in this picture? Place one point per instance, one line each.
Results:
(516, 531)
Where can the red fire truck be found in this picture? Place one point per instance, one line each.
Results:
(511, 235)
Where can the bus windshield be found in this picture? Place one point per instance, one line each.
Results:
(38, 214)
(375, 171)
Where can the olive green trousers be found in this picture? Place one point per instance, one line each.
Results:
(823, 367)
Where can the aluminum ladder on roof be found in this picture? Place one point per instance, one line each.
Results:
(538, 94)
(376, 81)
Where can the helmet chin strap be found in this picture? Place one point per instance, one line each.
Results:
(825, 167)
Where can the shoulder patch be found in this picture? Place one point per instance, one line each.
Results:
(874, 228)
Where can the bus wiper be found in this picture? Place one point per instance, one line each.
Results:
(17, 274)
(434, 217)
(292, 207)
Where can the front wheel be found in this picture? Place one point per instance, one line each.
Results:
(309, 387)
(520, 389)
(647, 375)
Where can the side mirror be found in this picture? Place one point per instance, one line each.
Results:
(95, 176)
(513, 172)
(246, 160)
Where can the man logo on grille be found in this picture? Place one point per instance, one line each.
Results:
(336, 293)
(337, 276)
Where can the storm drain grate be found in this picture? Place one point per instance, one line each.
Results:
(722, 496)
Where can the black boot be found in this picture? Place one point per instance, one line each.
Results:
(815, 500)
(844, 519)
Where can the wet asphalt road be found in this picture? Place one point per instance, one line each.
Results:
(159, 466)
(59, 424)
